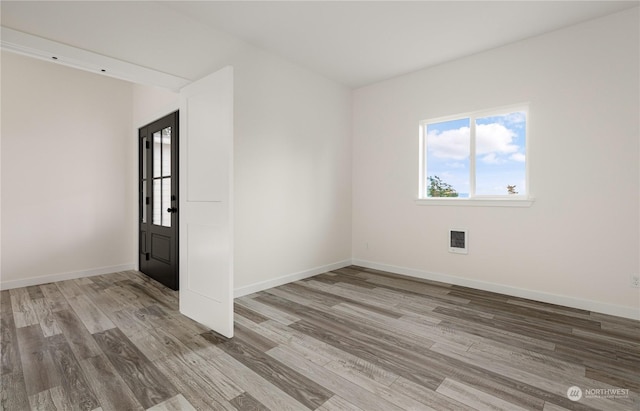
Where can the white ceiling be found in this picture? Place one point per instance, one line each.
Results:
(352, 42)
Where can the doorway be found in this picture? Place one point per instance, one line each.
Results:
(158, 200)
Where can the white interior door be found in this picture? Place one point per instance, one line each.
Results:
(206, 201)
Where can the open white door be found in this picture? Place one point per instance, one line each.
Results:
(206, 201)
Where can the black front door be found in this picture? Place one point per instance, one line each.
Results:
(158, 199)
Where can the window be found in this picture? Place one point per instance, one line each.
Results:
(479, 157)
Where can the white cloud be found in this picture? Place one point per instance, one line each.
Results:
(493, 142)
(494, 138)
(453, 144)
(518, 157)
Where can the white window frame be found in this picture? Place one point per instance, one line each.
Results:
(506, 200)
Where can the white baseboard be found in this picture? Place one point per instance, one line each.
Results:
(25, 282)
(595, 306)
(263, 285)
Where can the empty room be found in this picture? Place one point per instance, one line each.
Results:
(320, 205)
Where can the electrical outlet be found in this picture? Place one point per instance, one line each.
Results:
(635, 280)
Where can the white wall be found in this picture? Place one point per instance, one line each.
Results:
(66, 172)
(292, 171)
(150, 104)
(579, 243)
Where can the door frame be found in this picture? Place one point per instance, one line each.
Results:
(172, 281)
(135, 149)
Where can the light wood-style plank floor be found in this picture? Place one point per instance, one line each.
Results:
(351, 339)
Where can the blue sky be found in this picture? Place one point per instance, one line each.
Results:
(500, 153)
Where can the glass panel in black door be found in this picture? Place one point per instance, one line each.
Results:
(158, 200)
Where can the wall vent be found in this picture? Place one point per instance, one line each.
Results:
(458, 241)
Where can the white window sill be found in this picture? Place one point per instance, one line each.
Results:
(477, 202)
